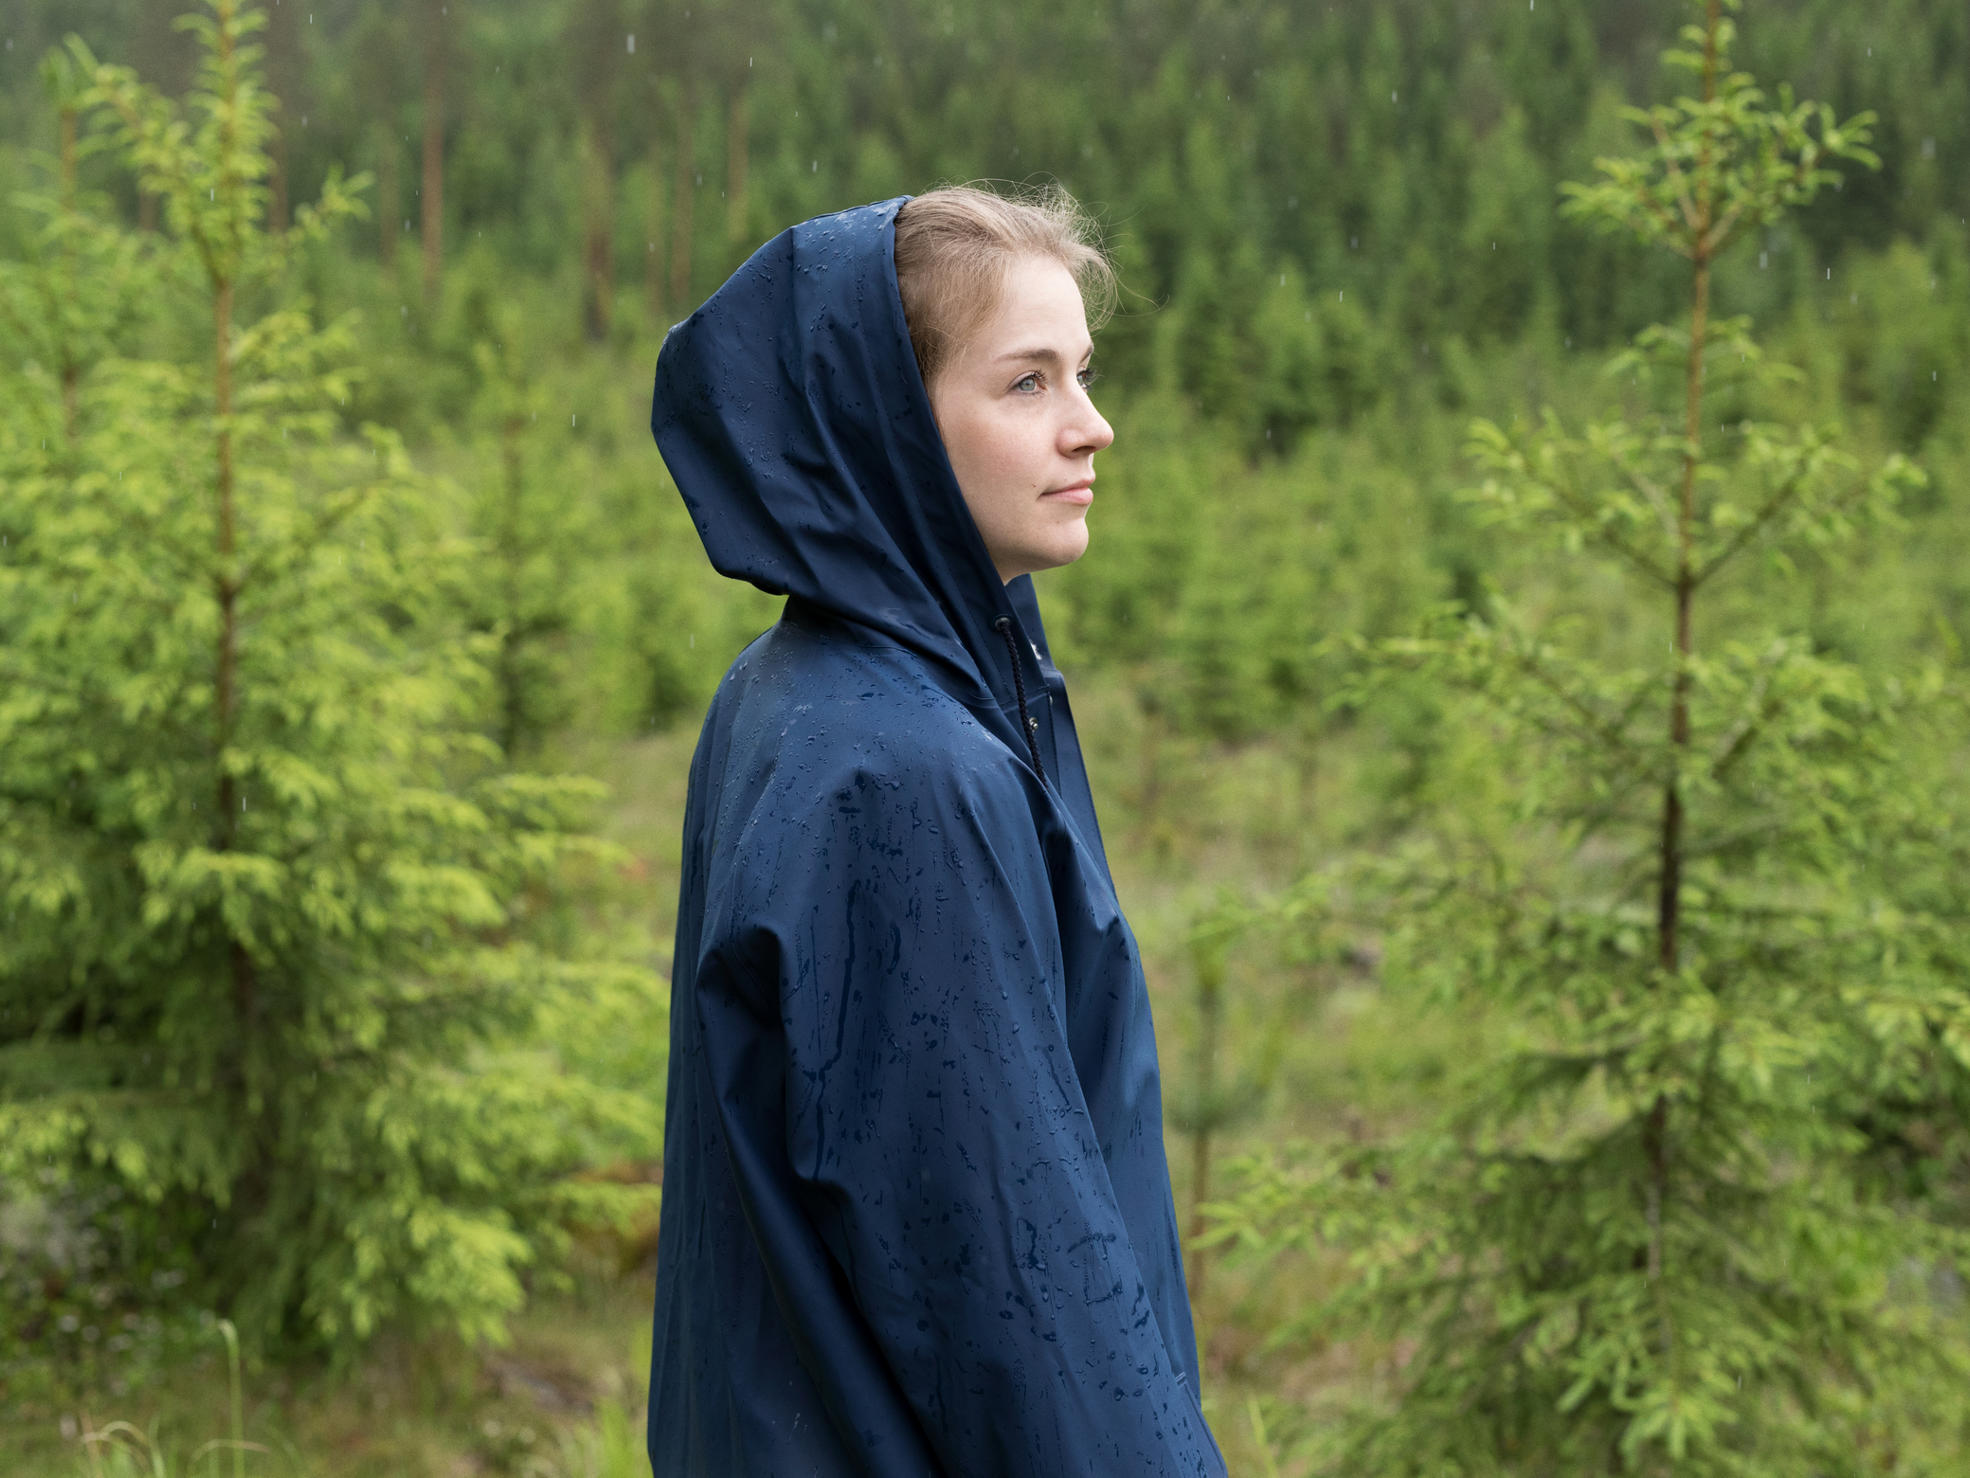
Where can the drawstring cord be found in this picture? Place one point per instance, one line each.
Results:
(1027, 722)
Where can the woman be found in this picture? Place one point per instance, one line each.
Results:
(916, 1213)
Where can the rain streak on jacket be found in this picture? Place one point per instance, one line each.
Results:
(916, 1211)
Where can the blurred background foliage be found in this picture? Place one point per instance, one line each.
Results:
(347, 681)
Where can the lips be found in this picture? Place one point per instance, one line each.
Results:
(1075, 492)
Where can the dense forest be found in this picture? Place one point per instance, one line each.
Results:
(1521, 654)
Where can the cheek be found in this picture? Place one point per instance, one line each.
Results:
(989, 452)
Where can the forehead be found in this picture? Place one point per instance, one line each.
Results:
(1039, 307)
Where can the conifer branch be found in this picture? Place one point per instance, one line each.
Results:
(1775, 503)
(1759, 713)
(1676, 177)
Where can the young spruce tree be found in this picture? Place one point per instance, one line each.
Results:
(272, 906)
(535, 537)
(1639, 1239)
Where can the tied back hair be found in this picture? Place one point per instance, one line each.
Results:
(954, 245)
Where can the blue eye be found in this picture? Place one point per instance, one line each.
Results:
(1033, 381)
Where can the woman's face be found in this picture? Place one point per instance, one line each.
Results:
(1018, 426)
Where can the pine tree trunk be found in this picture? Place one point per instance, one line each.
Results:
(1655, 1129)
(1200, 1188)
(432, 220)
(71, 370)
(1149, 794)
(389, 197)
(598, 234)
(736, 122)
(226, 590)
(653, 231)
(1208, 1112)
(511, 701)
(681, 197)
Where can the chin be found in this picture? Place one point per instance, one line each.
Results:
(1061, 551)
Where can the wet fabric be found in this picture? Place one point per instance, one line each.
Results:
(916, 1210)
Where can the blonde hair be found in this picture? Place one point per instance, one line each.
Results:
(954, 244)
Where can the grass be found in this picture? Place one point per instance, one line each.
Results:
(564, 1399)
(119, 1449)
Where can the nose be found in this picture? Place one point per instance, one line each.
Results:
(1086, 430)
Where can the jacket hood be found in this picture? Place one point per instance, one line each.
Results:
(795, 423)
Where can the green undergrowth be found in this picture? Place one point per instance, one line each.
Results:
(564, 1399)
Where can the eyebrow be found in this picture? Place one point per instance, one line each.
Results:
(1044, 356)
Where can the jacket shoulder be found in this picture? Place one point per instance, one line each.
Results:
(853, 761)
(834, 711)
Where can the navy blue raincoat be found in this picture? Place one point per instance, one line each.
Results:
(916, 1212)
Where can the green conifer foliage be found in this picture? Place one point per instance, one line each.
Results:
(274, 914)
(1702, 891)
(526, 590)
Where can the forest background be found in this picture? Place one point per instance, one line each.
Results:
(1542, 1099)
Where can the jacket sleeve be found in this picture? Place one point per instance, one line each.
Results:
(936, 1133)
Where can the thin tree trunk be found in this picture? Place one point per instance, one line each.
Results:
(1655, 1129)
(432, 220)
(653, 231)
(1205, 1106)
(225, 587)
(226, 590)
(251, 1190)
(737, 118)
(1150, 791)
(598, 237)
(512, 705)
(681, 196)
(1200, 1184)
(71, 369)
(389, 196)
(1669, 897)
